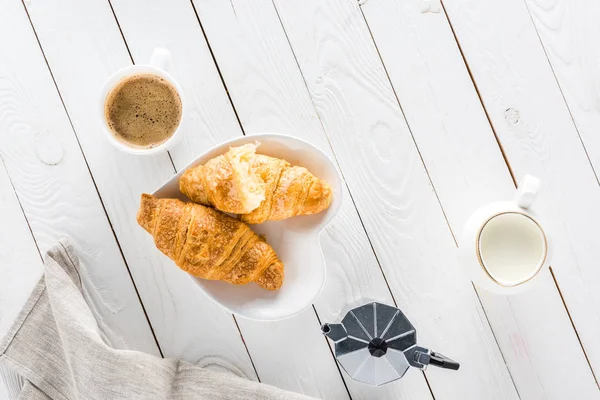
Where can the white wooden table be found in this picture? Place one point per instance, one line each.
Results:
(430, 110)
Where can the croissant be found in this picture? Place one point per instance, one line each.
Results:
(258, 187)
(209, 244)
(226, 182)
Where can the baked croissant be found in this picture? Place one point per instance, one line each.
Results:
(209, 244)
(226, 182)
(258, 187)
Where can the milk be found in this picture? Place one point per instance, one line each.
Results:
(512, 248)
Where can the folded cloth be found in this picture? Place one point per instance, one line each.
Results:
(55, 346)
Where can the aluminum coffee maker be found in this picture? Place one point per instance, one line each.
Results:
(376, 344)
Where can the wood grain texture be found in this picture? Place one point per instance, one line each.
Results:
(277, 361)
(20, 263)
(391, 189)
(82, 53)
(568, 31)
(537, 133)
(269, 94)
(466, 167)
(54, 186)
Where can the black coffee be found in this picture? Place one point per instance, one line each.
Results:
(143, 110)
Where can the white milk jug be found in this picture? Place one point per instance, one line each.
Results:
(504, 248)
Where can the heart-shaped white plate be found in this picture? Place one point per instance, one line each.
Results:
(296, 240)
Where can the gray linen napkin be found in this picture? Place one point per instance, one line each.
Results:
(57, 351)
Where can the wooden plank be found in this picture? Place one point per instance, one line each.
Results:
(54, 186)
(20, 263)
(538, 136)
(392, 192)
(567, 31)
(82, 53)
(467, 169)
(284, 353)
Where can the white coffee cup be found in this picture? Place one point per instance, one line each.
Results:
(160, 62)
(504, 247)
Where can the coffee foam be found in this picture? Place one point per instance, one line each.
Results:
(143, 111)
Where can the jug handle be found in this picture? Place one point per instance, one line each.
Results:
(527, 191)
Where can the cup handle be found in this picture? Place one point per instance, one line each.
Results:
(527, 192)
(161, 58)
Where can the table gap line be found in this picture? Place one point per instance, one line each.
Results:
(246, 347)
(332, 354)
(428, 385)
(214, 59)
(487, 115)
(387, 75)
(573, 324)
(74, 132)
(112, 10)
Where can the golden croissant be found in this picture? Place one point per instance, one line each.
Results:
(209, 244)
(258, 187)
